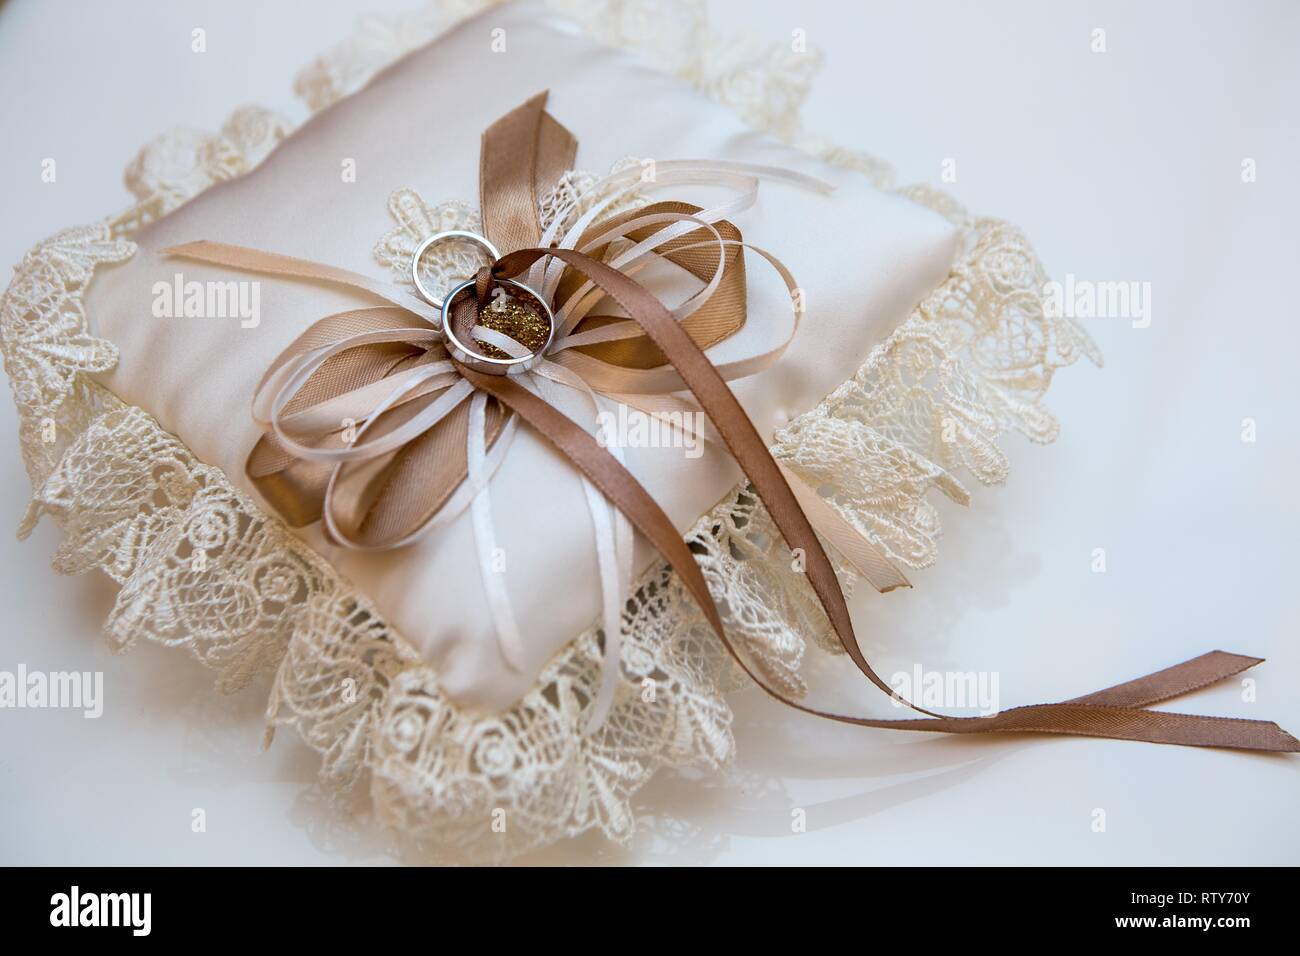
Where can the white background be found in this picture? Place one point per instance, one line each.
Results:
(1123, 165)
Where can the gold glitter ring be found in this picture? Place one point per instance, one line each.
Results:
(487, 363)
(481, 241)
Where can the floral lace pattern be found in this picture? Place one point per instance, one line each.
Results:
(441, 266)
(202, 567)
(448, 263)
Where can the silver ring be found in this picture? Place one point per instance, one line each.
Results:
(487, 363)
(480, 241)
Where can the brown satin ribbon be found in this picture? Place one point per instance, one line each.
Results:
(1118, 712)
(520, 153)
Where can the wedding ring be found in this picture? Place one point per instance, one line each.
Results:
(486, 363)
(480, 241)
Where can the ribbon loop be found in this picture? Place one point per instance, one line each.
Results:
(522, 153)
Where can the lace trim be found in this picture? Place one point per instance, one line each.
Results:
(201, 567)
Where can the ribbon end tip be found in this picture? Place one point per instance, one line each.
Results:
(183, 248)
(1247, 661)
(1289, 744)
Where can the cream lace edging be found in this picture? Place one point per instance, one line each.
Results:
(202, 567)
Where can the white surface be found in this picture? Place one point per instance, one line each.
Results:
(1120, 166)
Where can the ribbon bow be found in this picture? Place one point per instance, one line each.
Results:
(387, 421)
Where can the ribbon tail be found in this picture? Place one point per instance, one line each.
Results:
(272, 263)
(503, 615)
(613, 560)
(611, 600)
(851, 544)
(1172, 681)
(1119, 712)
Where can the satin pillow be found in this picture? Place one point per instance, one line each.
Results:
(863, 259)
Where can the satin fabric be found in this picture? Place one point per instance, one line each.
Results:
(197, 375)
